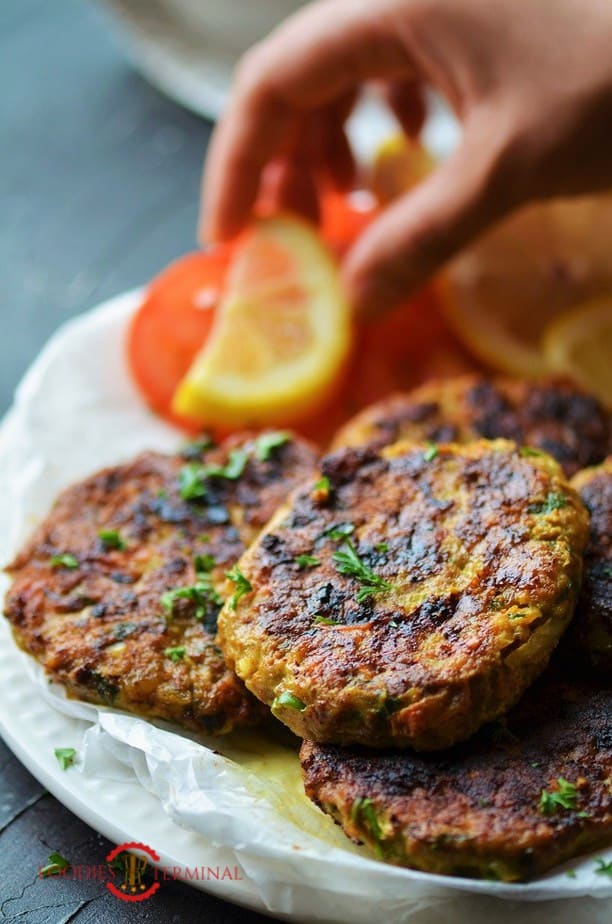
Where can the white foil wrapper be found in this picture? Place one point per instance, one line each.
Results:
(76, 412)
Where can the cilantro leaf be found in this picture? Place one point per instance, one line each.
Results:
(243, 586)
(431, 452)
(348, 563)
(175, 654)
(268, 442)
(56, 865)
(65, 560)
(111, 539)
(565, 797)
(306, 561)
(65, 757)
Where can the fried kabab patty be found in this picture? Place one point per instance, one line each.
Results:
(410, 595)
(520, 797)
(552, 415)
(591, 631)
(117, 592)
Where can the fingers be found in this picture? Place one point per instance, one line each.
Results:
(416, 235)
(312, 61)
(406, 100)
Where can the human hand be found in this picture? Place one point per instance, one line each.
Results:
(530, 81)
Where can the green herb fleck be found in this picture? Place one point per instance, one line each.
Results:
(268, 442)
(175, 654)
(364, 810)
(431, 452)
(111, 539)
(306, 561)
(571, 874)
(325, 621)
(348, 562)
(204, 563)
(564, 797)
(382, 547)
(192, 484)
(323, 484)
(603, 868)
(554, 501)
(243, 586)
(201, 594)
(339, 531)
(65, 757)
(65, 560)
(529, 451)
(288, 701)
(56, 865)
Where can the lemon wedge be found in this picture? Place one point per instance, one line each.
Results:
(579, 343)
(281, 336)
(398, 165)
(501, 295)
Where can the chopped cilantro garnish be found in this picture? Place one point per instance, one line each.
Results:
(603, 868)
(268, 442)
(243, 586)
(111, 539)
(323, 484)
(348, 562)
(339, 531)
(233, 468)
(192, 485)
(65, 560)
(364, 810)
(204, 563)
(175, 654)
(528, 451)
(571, 874)
(56, 865)
(382, 547)
(554, 501)
(201, 594)
(289, 701)
(306, 561)
(431, 452)
(564, 797)
(325, 621)
(65, 757)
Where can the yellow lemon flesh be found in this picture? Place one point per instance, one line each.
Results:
(281, 336)
(579, 343)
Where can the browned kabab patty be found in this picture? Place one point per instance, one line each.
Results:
(117, 592)
(591, 630)
(520, 797)
(409, 595)
(551, 415)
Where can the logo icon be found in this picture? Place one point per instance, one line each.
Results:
(133, 867)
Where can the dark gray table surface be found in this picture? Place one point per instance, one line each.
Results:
(99, 179)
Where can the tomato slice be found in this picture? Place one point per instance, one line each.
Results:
(172, 324)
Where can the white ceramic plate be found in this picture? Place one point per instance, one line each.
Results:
(75, 412)
(193, 65)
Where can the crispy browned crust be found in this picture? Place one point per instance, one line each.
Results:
(475, 810)
(482, 549)
(101, 629)
(552, 415)
(591, 631)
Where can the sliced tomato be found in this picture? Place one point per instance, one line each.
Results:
(172, 324)
(177, 314)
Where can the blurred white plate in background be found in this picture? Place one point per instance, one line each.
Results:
(188, 49)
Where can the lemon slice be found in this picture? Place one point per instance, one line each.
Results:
(281, 336)
(399, 164)
(579, 343)
(500, 295)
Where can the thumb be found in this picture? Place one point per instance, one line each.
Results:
(419, 232)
